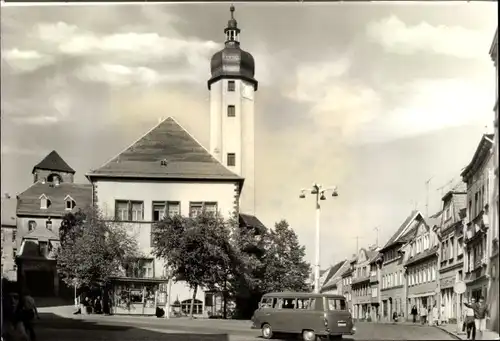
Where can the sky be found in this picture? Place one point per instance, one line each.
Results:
(374, 98)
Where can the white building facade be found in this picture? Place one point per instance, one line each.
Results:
(174, 175)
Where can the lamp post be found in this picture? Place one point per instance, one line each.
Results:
(319, 192)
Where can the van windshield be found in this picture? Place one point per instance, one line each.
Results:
(336, 304)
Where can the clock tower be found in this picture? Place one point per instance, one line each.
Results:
(232, 129)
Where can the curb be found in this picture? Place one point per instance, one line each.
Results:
(455, 336)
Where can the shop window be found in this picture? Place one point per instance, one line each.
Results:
(197, 307)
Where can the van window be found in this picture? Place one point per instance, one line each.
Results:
(336, 304)
(303, 303)
(285, 303)
(267, 302)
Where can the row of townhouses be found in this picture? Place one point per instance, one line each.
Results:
(426, 256)
(165, 172)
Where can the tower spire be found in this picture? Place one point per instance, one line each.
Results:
(232, 31)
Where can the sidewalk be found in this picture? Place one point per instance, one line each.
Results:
(452, 330)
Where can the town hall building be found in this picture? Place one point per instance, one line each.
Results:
(168, 172)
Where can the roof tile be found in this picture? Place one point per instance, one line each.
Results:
(28, 202)
(54, 162)
(185, 157)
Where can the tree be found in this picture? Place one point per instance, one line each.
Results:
(197, 250)
(286, 268)
(271, 260)
(92, 250)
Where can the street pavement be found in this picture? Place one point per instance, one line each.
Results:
(131, 328)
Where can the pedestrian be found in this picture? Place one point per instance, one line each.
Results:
(443, 318)
(470, 325)
(395, 317)
(435, 315)
(480, 314)
(423, 314)
(414, 313)
(98, 305)
(28, 314)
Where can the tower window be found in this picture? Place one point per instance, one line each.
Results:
(231, 86)
(231, 159)
(231, 111)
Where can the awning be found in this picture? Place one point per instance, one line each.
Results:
(425, 294)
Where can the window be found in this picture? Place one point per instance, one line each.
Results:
(14, 235)
(231, 111)
(433, 273)
(122, 210)
(158, 211)
(137, 212)
(44, 251)
(374, 292)
(460, 247)
(14, 253)
(211, 207)
(267, 302)
(452, 246)
(174, 208)
(231, 86)
(129, 210)
(231, 159)
(69, 202)
(31, 225)
(286, 303)
(197, 306)
(44, 202)
(48, 224)
(195, 208)
(400, 277)
(336, 304)
(303, 303)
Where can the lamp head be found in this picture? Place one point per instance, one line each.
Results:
(302, 196)
(335, 193)
(322, 196)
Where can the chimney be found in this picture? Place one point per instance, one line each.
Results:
(7, 195)
(44, 180)
(56, 181)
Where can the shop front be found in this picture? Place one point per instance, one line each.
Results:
(138, 296)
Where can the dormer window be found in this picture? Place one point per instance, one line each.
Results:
(69, 203)
(164, 162)
(48, 224)
(44, 202)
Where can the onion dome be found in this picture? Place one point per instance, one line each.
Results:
(232, 62)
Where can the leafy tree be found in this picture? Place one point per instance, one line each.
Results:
(197, 250)
(92, 250)
(272, 260)
(286, 268)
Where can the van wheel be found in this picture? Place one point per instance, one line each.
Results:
(308, 335)
(267, 331)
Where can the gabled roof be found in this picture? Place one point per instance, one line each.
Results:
(168, 141)
(54, 162)
(41, 233)
(482, 151)
(252, 222)
(395, 237)
(335, 275)
(28, 202)
(9, 212)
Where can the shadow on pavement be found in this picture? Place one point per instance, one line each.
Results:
(52, 327)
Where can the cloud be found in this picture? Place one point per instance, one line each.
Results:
(122, 56)
(26, 60)
(430, 105)
(13, 150)
(118, 75)
(455, 41)
(336, 102)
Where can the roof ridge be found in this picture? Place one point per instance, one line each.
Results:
(196, 140)
(130, 145)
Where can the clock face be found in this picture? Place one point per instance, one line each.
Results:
(247, 91)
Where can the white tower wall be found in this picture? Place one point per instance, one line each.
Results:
(235, 134)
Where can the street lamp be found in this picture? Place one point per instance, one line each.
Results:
(319, 191)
